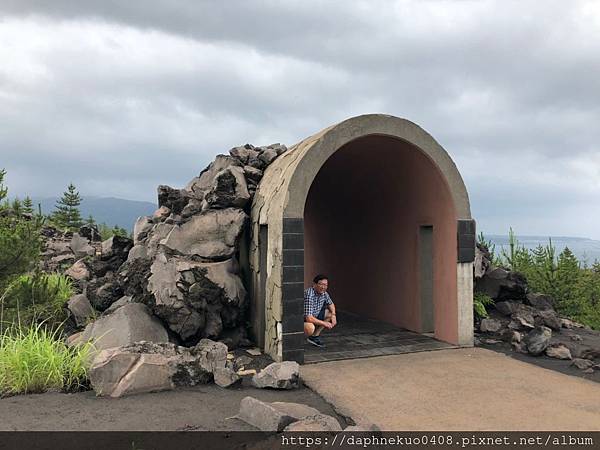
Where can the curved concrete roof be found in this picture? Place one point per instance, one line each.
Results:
(292, 174)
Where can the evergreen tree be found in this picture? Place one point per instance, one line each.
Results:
(17, 206)
(28, 205)
(90, 220)
(67, 214)
(567, 277)
(20, 240)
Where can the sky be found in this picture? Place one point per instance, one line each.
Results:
(119, 97)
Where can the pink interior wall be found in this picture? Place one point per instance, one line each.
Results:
(362, 218)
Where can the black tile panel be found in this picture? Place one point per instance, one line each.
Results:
(293, 257)
(293, 225)
(293, 241)
(466, 255)
(466, 226)
(293, 341)
(295, 306)
(293, 274)
(292, 291)
(465, 241)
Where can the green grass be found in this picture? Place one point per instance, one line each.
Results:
(35, 359)
(36, 297)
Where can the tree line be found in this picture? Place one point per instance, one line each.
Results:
(21, 225)
(574, 285)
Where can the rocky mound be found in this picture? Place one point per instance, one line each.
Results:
(182, 262)
(528, 321)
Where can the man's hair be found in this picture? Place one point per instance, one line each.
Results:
(319, 278)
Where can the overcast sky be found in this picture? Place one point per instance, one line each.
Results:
(121, 96)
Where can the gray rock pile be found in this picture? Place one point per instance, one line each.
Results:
(62, 249)
(183, 261)
(527, 320)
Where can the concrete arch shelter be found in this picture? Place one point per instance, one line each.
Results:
(379, 206)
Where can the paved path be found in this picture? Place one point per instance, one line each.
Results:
(457, 389)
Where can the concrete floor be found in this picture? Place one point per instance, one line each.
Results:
(359, 337)
(457, 389)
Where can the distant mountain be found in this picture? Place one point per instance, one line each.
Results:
(110, 210)
(582, 248)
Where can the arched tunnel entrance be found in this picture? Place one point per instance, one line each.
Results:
(376, 204)
(379, 221)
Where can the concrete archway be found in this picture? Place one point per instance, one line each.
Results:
(358, 200)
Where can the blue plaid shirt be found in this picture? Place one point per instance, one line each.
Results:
(313, 302)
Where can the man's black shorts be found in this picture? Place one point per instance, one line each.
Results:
(321, 315)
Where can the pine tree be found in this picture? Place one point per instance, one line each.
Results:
(17, 206)
(20, 240)
(67, 214)
(90, 220)
(28, 205)
(567, 277)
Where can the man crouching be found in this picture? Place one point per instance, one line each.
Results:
(319, 310)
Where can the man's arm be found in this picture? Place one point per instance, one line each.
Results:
(314, 320)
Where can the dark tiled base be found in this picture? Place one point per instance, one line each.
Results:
(356, 337)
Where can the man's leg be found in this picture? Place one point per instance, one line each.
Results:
(309, 328)
(320, 328)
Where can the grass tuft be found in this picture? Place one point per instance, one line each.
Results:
(35, 359)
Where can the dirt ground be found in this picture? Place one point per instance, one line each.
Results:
(456, 389)
(202, 408)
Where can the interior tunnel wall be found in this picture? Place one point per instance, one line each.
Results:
(361, 228)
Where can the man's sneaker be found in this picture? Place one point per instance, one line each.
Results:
(315, 340)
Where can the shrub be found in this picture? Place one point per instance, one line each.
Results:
(480, 301)
(35, 359)
(36, 298)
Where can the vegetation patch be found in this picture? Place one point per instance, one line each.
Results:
(35, 359)
(575, 286)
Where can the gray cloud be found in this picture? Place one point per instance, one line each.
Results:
(119, 97)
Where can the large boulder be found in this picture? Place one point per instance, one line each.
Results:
(500, 284)
(482, 261)
(128, 324)
(200, 185)
(90, 232)
(103, 292)
(78, 271)
(559, 352)
(272, 416)
(244, 153)
(212, 235)
(549, 318)
(537, 340)
(196, 299)
(278, 375)
(80, 309)
(81, 247)
(540, 301)
(141, 229)
(148, 367)
(116, 246)
(228, 189)
(490, 325)
(154, 240)
(169, 302)
(174, 199)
